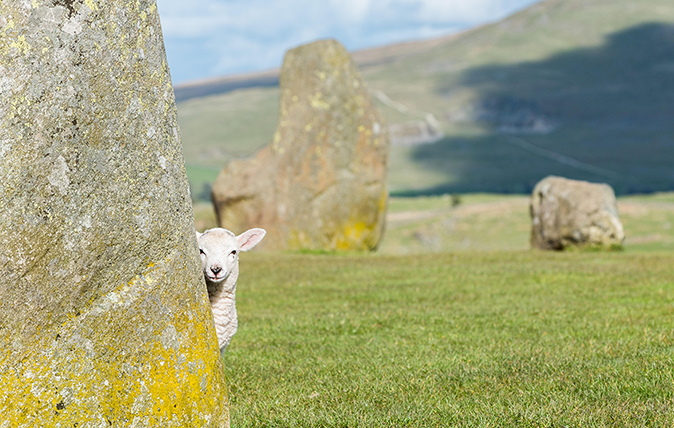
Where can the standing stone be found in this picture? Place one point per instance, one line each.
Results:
(570, 213)
(321, 184)
(104, 315)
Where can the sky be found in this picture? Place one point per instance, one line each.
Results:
(212, 38)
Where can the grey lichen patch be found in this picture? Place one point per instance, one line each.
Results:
(72, 27)
(170, 338)
(58, 177)
(5, 146)
(68, 396)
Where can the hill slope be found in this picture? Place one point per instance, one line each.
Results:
(580, 88)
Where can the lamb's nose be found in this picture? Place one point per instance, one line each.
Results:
(216, 270)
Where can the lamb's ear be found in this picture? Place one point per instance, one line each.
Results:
(198, 235)
(250, 238)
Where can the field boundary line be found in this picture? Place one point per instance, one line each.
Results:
(531, 148)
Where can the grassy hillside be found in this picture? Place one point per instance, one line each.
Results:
(579, 88)
(214, 130)
(499, 339)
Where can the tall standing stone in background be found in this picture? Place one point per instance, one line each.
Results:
(570, 213)
(321, 184)
(104, 316)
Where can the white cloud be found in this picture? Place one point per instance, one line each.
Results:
(351, 10)
(213, 37)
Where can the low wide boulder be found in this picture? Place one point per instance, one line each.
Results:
(321, 183)
(570, 213)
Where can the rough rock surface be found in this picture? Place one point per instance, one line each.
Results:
(570, 213)
(320, 184)
(104, 315)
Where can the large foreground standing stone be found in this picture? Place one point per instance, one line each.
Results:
(320, 185)
(570, 213)
(104, 316)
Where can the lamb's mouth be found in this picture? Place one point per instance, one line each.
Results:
(215, 278)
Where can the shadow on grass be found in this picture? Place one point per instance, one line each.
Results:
(602, 114)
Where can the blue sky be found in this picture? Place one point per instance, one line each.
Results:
(209, 38)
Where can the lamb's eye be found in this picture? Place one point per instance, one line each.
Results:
(233, 252)
(201, 251)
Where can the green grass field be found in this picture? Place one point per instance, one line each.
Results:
(474, 339)
(454, 322)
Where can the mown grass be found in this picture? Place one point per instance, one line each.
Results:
(475, 339)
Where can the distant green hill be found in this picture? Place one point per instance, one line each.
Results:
(579, 88)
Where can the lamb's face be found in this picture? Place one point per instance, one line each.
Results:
(220, 250)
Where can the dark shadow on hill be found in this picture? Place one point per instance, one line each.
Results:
(603, 114)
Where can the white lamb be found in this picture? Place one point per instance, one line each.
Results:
(219, 250)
